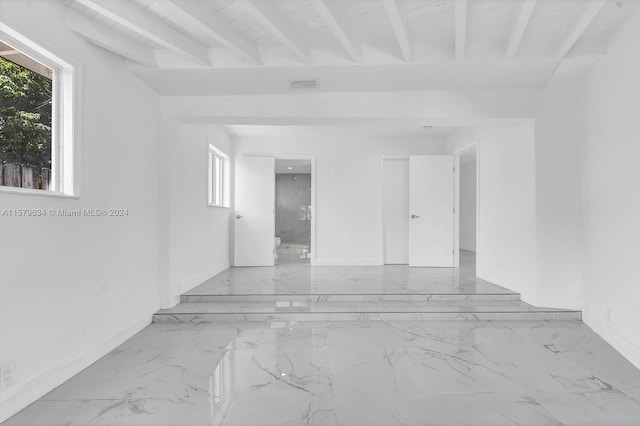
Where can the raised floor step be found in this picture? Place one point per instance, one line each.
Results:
(344, 297)
(363, 311)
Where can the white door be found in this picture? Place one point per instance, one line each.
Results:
(431, 204)
(395, 210)
(254, 211)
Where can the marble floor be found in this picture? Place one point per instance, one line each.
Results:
(355, 373)
(290, 311)
(384, 372)
(300, 278)
(297, 292)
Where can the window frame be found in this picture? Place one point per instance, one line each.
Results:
(218, 185)
(64, 117)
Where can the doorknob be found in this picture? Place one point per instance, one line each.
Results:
(415, 216)
(238, 216)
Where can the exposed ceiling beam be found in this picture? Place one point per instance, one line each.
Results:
(105, 37)
(399, 28)
(460, 10)
(520, 27)
(583, 21)
(329, 18)
(271, 19)
(127, 14)
(214, 27)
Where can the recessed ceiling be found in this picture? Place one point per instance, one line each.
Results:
(355, 78)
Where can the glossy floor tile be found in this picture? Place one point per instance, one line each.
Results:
(351, 373)
(293, 292)
(373, 306)
(296, 278)
(303, 366)
(361, 311)
(361, 297)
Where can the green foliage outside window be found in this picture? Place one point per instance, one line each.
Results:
(25, 116)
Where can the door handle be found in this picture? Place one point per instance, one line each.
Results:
(415, 216)
(238, 216)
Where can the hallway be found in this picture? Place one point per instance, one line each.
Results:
(306, 372)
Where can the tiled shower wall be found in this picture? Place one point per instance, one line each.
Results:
(292, 192)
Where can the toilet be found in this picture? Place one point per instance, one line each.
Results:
(276, 242)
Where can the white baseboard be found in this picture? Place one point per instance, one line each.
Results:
(347, 262)
(629, 350)
(12, 400)
(189, 284)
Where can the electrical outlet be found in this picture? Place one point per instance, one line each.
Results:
(8, 374)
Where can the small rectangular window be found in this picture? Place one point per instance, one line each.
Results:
(26, 94)
(36, 118)
(218, 178)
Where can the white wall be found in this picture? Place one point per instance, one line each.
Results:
(611, 177)
(468, 200)
(348, 185)
(560, 130)
(506, 245)
(198, 234)
(73, 288)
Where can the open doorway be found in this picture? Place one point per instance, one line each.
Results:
(468, 205)
(293, 211)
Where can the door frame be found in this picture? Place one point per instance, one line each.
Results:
(384, 158)
(457, 153)
(312, 158)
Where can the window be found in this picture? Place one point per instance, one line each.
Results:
(218, 178)
(36, 118)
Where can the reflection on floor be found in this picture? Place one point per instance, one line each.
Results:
(292, 253)
(297, 292)
(323, 280)
(351, 373)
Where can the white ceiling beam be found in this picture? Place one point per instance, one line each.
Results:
(581, 23)
(399, 28)
(460, 11)
(105, 37)
(331, 21)
(520, 27)
(214, 27)
(271, 19)
(127, 14)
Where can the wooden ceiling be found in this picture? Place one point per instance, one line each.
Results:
(168, 34)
